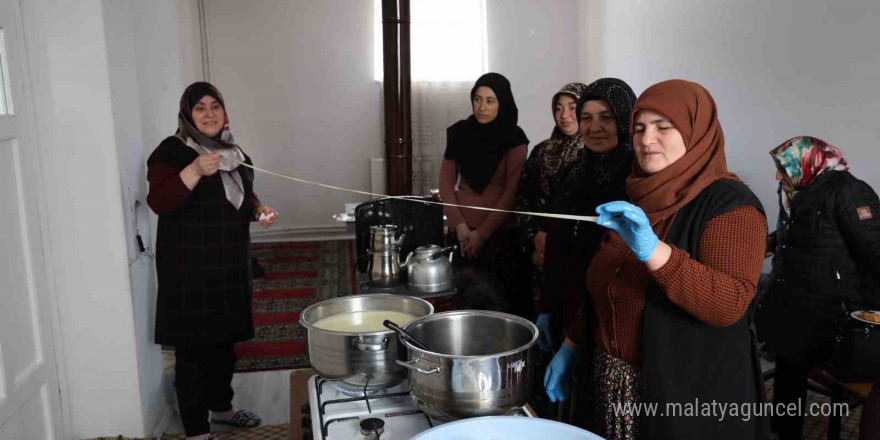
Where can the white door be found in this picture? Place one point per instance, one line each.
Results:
(30, 404)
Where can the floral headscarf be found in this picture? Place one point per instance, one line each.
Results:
(802, 159)
(561, 149)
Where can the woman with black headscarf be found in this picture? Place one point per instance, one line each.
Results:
(481, 167)
(205, 202)
(598, 175)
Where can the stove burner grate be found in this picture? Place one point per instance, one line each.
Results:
(322, 406)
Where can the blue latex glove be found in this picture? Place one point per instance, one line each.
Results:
(558, 375)
(543, 323)
(633, 226)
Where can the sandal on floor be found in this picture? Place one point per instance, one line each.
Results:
(241, 419)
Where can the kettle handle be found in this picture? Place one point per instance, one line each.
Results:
(443, 251)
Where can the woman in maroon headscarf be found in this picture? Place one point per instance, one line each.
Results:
(671, 283)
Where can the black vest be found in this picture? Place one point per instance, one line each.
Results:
(688, 362)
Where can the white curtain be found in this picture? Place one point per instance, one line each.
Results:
(435, 106)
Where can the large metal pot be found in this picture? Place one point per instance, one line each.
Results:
(480, 363)
(359, 359)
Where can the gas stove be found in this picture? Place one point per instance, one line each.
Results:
(391, 414)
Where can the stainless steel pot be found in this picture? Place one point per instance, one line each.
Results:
(480, 363)
(359, 359)
(428, 269)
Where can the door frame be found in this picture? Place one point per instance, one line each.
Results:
(47, 296)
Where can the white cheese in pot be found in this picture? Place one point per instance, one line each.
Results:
(365, 321)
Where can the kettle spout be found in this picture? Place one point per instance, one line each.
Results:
(399, 241)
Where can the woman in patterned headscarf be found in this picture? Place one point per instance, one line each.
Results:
(537, 185)
(827, 252)
(538, 182)
(205, 202)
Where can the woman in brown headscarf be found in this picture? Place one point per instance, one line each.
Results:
(672, 281)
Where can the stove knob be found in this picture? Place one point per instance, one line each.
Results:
(306, 422)
(305, 408)
(307, 434)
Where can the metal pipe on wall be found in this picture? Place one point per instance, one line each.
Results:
(397, 85)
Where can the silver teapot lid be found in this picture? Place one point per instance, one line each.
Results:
(383, 229)
(427, 249)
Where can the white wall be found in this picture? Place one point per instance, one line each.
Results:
(776, 70)
(298, 80)
(154, 54)
(535, 44)
(106, 76)
(297, 77)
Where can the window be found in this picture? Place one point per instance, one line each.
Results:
(5, 92)
(447, 40)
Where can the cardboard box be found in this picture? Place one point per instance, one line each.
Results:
(299, 395)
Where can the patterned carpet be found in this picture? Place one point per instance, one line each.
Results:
(268, 432)
(816, 427)
(297, 276)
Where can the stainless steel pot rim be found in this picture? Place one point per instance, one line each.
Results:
(435, 316)
(308, 325)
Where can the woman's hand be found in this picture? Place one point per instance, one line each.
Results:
(557, 377)
(540, 242)
(633, 226)
(268, 211)
(207, 164)
(475, 243)
(462, 231)
(538, 260)
(204, 165)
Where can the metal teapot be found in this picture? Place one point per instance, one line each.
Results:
(384, 265)
(427, 269)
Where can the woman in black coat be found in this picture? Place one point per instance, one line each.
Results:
(205, 202)
(827, 254)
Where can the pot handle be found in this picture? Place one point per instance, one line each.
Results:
(432, 372)
(363, 345)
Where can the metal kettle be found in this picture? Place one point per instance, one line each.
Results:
(384, 251)
(428, 270)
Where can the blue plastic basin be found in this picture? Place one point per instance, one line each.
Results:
(505, 428)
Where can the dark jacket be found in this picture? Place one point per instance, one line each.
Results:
(827, 253)
(571, 245)
(202, 253)
(688, 362)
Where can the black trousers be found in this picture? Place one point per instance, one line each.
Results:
(789, 386)
(204, 383)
